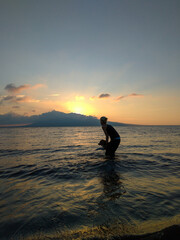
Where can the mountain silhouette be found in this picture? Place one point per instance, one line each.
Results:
(51, 119)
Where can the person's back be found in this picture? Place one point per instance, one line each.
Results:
(112, 132)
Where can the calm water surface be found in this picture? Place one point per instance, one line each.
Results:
(55, 179)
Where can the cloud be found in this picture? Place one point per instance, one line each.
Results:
(7, 98)
(135, 95)
(104, 95)
(39, 85)
(129, 95)
(119, 98)
(14, 95)
(101, 96)
(25, 99)
(17, 99)
(11, 88)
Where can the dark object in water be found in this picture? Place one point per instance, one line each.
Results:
(103, 143)
(110, 147)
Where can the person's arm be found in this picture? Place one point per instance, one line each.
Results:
(106, 134)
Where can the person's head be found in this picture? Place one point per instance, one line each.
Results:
(103, 120)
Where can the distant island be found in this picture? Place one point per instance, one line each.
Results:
(51, 119)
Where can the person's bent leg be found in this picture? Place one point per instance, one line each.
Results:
(108, 149)
(114, 146)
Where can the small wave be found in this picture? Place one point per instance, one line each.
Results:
(164, 159)
(172, 154)
(8, 152)
(18, 152)
(72, 146)
(139, 146)
(68, 171)
(138, 154)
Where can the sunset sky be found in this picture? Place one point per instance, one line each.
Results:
(118, 58)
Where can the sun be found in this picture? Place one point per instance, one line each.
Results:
(80, 108)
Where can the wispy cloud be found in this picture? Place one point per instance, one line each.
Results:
(38, 85)
(25, 99)
(15, 96)
(119, 98)
(17, 99)
(6, 99)
(127, 96)
(107, 95)
(135, 95)
(11, 88)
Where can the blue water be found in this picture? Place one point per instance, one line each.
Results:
(55, 179)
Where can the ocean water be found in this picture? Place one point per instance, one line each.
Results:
(55, 181)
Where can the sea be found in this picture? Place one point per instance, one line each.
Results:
(57, 183)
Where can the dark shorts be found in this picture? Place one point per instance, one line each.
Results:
(112, 146)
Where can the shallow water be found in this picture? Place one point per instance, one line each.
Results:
(55, 179)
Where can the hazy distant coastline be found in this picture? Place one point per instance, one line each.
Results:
(51, 119)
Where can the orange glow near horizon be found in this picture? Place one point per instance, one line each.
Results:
(154, 109)
(80, 108)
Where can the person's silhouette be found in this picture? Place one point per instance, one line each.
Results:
(109, 131)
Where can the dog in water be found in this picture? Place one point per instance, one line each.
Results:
(103, 144)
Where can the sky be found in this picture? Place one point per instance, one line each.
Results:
(113, 58)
